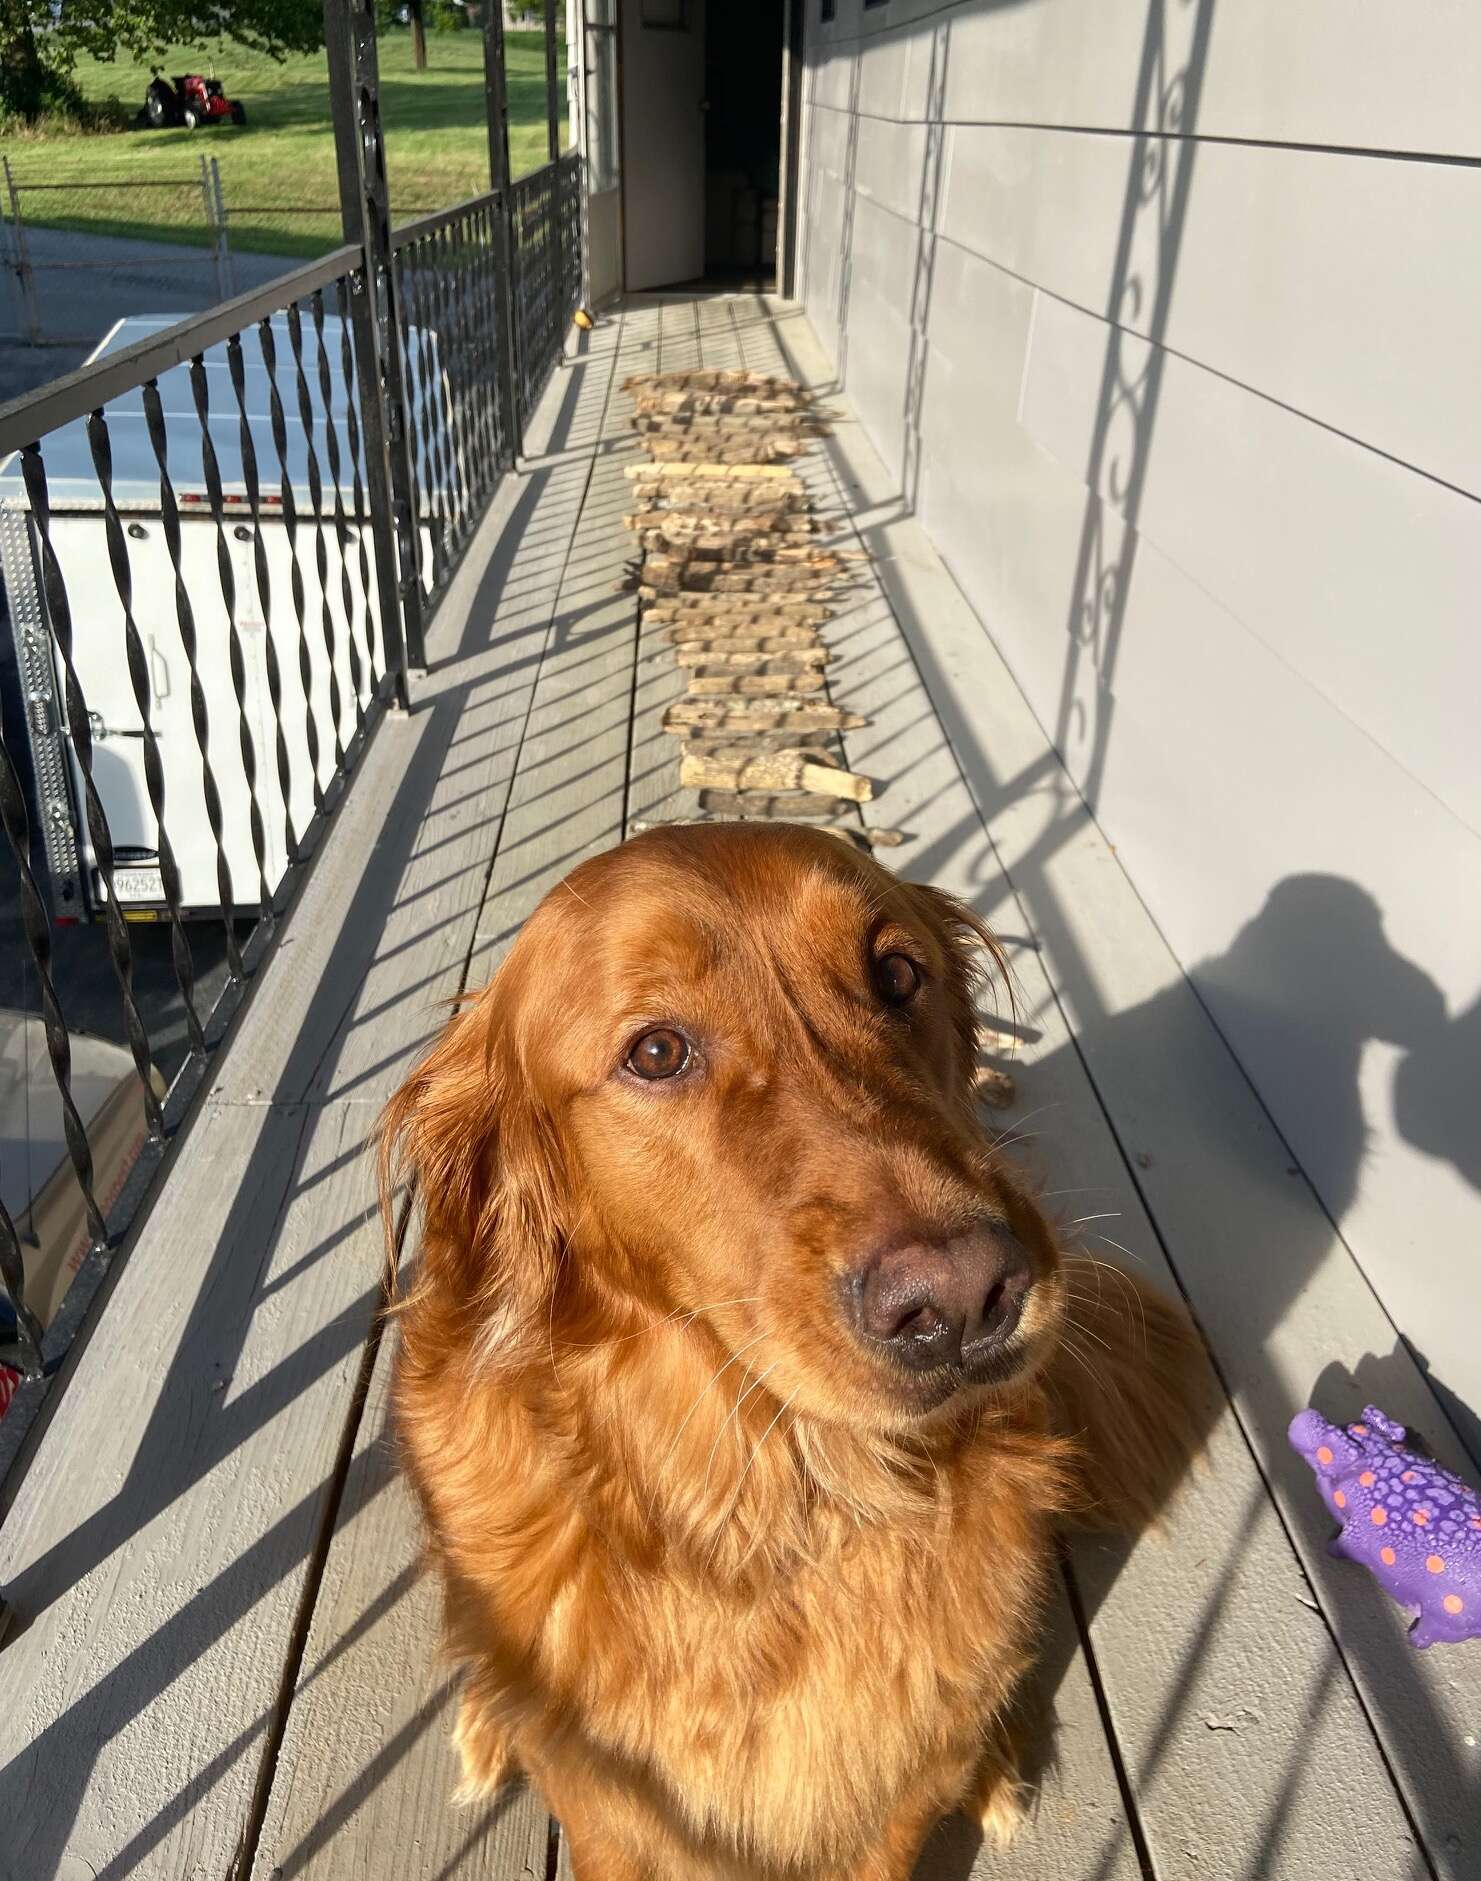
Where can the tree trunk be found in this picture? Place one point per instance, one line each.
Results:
(418, 36)
(22, 75)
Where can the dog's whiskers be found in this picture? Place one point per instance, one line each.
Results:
(734, 1415)
(1120, 1250)
(740, 1484)
(1125, 1279)
(699, 1399)
(1014, 1134)
(686, 1314)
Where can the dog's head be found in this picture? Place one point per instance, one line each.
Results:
(727, 1071)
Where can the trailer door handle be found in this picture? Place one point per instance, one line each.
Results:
(101, 732)
(159, 673)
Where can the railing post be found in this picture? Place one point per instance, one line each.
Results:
(223, 239)
(553, 147)
(354, 97)
(208, 198)
(496, 93)
(23, 256)
(552, 97)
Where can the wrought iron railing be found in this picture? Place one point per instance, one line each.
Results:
(462, 435)
(545, 223)
(220, 542)
(201, 650)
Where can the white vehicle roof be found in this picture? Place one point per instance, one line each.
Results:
(72, 481)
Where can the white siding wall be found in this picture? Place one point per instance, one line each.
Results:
(1166, 315)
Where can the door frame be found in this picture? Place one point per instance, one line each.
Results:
(789, 167)
(789, 154)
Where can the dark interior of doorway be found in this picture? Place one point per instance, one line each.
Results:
(743, 139)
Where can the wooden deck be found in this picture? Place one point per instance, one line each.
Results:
(223, 1657)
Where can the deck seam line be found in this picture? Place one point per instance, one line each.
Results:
(1115, 1750)
(277, 1722)
(308, 1599)
(545, 648)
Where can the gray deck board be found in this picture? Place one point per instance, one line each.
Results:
(159, 1552)
(1215, 1620)
(1079, 1826)
(164, 1554)
(366, 1772)
(568, 794)
(654, 793)
(366, 1764)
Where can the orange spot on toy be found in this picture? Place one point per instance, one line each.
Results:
(1378, 1517)
(1434, 1564)
(1324, 1455)
(1453, 1603)
(1387, 1557)
(1421, 1518)
(1409, 1477)
(1358, 1430)
(1367, 1479)
(1339, 1498)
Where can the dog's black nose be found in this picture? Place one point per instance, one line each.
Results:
(952, 1302)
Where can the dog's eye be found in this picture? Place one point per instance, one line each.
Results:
(898, 979)
(660, 1053)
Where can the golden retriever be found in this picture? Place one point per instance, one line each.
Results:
(732, 1376)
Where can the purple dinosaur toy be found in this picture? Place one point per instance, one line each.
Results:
(1413, 1524)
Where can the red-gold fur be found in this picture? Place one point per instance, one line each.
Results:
(738, 1598)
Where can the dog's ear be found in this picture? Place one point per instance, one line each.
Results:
(974, 957)
(467, 1133)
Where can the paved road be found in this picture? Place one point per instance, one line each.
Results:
(79, 304)
(83, 304)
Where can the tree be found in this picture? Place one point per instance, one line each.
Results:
(418, 34)
(40, 43)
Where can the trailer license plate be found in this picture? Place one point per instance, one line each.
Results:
(138, 885)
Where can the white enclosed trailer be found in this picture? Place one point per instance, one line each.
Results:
(317, 621)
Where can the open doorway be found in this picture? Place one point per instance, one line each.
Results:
(701, 139)
(743, 140)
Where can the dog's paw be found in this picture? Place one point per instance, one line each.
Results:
(484, 1751)
(1003, 1810)
(1000, 1800)
(995, 1088)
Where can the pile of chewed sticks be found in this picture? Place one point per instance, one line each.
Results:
(731, 576)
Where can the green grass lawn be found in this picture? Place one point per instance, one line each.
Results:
(277, 170)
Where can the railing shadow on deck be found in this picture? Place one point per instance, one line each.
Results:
(163, 1470)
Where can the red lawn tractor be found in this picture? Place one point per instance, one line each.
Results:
(190, 100)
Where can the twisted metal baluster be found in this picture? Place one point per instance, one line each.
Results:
(504, 426)
(290, 525)
(452, 377)
(341, 527)
(321, 550)
(101, 446)
(475, 429)
(211, 470)
(437, 302)
(482, 296)
(79, 727)
(431, 365)
(375, 664)
(519, 263)
(37, 925)
(416, 415)
(154, 419)
(429, 489)
(236, 366)
(13, 1281)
